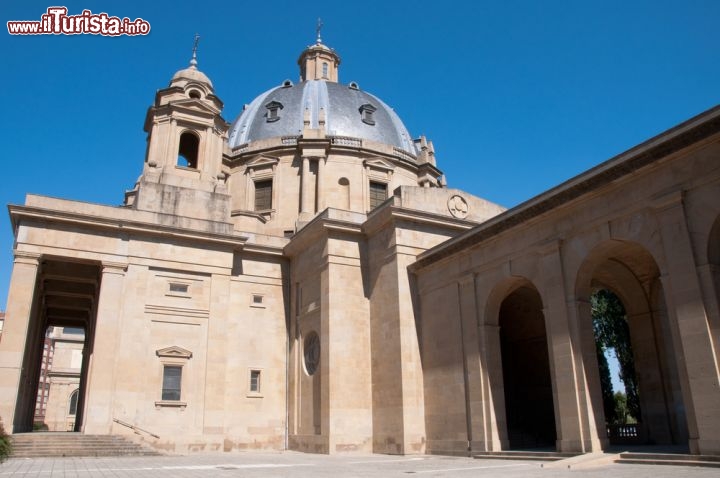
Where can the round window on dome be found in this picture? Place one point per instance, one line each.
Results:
(195, 94)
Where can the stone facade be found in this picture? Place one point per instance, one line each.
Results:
(644, 225)
(63, 379)
(303, 279)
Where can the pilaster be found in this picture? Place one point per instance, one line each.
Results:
(14, 373)
(99, 411)
(697, 360)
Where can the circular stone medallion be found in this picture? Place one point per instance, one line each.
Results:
(458, 206)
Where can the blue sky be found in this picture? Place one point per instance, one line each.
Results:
(517, 96)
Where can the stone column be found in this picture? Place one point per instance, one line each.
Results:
(14, 337)
(320, 185)
(697, 361)
(571, 418)
(472, 364)
(495, 425)
(101, 374)
(709, 276)
(305, 204)
(579, 313)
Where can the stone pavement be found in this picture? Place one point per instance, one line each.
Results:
(299, 465)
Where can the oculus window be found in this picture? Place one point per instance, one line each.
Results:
(311, 351)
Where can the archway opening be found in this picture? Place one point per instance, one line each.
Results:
(59, 381)
(188, 150)
(627, 275)
(529, 408)
(57, 347)
(616, 363)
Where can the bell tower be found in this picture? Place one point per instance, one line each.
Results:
(183, 173)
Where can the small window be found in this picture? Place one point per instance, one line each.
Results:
(378, 194)
(255, 381)
(324, 70)
(72, 409)
(172, 378)
(181, 288)
(195, 94)
(263, 195)
(273, 111)
(257, 299)
(188, 151)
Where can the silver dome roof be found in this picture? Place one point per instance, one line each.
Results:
(343, 116)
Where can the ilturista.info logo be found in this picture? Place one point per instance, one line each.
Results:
(56, 21)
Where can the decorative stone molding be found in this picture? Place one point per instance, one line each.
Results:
(458, 206)
(174, 352)
(23, 257)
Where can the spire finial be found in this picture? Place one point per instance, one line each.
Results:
(317, 30)
(193, 61)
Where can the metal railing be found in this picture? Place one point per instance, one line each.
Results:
(134, 428)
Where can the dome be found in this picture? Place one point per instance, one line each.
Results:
(191, 74)
(348, 112)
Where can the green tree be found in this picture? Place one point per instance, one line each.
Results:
(612, 332)
(605, 384)
(5, 444)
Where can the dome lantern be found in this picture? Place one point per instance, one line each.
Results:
(319, 61)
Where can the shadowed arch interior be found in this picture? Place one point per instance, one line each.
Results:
(529, 405)
(188, 150)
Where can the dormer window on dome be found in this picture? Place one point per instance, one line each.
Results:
(273, 109)
(367, 114)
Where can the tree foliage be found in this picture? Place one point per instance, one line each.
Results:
(612, 332)
(5, 444)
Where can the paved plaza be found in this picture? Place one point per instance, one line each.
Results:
(298, 465)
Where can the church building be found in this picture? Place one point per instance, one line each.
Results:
(303, 278)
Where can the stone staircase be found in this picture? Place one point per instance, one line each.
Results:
(712, 461)
(523, 455)
(57, 444)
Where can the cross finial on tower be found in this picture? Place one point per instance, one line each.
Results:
(193, 61)
(317, 30)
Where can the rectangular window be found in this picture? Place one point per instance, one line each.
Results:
(182, 288)
(172, 377)
(263, 195)
(378, 194)
(255, 381)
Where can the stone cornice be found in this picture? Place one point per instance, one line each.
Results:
(390, 212)
(687, 134)
(121, 226)
(324, 224)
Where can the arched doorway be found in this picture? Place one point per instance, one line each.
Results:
(529, 408)
(629, 272)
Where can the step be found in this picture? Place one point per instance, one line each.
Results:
(30, 445)
(710, 461)
(523, 455)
